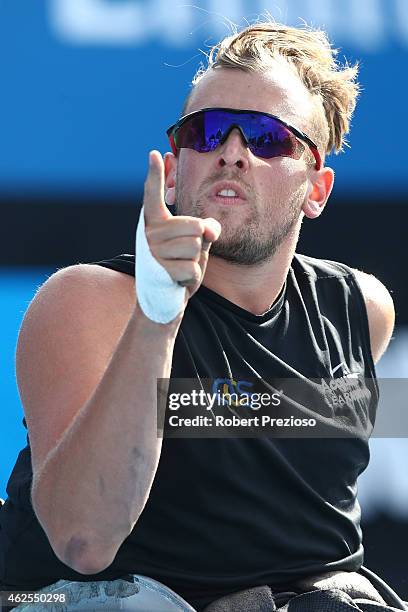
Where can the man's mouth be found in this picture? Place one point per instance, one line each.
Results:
(224, 193)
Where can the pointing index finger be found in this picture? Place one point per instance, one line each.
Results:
(153, 199)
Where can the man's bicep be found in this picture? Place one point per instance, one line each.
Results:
(67, 337)
(380, 312)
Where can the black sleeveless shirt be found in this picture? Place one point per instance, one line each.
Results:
(228, 513)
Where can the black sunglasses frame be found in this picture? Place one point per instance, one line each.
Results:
(171, 131)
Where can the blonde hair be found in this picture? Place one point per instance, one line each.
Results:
(307, 51)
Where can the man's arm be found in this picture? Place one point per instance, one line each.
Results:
(87, 364)
(380, 311)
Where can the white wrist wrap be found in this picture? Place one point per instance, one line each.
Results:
(159, 296)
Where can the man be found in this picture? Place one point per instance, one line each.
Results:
(220, 294)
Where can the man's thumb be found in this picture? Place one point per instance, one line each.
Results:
(211, 233)
(212, 230)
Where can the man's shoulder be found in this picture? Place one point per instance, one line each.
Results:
(380, 311)
(370, 290)
(107, 279)
(89, 291)
(91, 275)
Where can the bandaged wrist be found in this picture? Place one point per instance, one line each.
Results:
(160, 297)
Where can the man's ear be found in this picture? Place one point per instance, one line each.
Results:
(170, 168)
(319, 190)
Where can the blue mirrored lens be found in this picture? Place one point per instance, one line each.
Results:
(265, 136)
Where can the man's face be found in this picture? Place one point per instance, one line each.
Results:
(272, 190)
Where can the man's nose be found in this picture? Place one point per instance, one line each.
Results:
(233, 152)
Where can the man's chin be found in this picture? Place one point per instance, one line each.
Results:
(232, 223)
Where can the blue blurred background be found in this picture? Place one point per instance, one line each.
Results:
(88, 87)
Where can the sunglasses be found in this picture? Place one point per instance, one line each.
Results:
(265, 135)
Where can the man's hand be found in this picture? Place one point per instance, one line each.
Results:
(180, 244)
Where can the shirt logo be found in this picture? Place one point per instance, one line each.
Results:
(345, 370)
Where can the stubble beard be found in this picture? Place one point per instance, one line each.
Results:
(257, 239)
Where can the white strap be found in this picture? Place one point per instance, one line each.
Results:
(159, 296)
